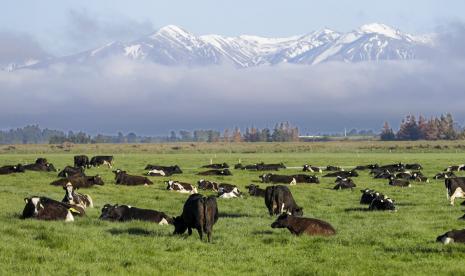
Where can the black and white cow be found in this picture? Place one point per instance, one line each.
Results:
(275, 178)
(207, 185)
(12, 169)
(444, 175)
(382, 203)
(255, 190)
(101, 160)
(69, 171)
(180, 187)
(366, 167)
(455, 168)
(216, 172)
(310, 168)
(393, 167)
(122, 178)
(81, 161)
(44, 208)
(343, 174)
(155, 172)
(127, 213)
(167, 170)
(217, 166)
(74, 198)
(344, 183)
(308, 226)
(399, 182)
(368, 196)
(226, 190)
(455, 188)
(452, 236)
(304, 178)
(279, 199)
(331, 168)
(79, 181)
(199, 213)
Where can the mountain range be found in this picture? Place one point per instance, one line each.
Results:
(175, 46)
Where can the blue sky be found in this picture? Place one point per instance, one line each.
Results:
(49, 21)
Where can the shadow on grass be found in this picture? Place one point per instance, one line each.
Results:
(359, 209)
(133, 231)
(263, 232)
(234, 215)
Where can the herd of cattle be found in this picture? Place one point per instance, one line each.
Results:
(201, 213)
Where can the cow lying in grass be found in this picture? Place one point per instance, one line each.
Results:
(452, 236)
(79, 181)
(308, 226)
(74, 198)
(12, 169)
(44, 208)
(180, 187)
(122, 178)
(127, 213)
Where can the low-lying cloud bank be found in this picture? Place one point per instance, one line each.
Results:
(125, 95)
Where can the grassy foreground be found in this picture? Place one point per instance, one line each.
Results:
(367, 243)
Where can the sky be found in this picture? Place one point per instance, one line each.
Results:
(121, 95)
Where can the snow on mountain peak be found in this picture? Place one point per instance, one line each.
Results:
(172, 30)
(380, 29)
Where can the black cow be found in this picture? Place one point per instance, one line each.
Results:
(226, 190)
(216, 172)
(399, 182)
(121, 177)
(413, 166)
(167, 170)
(382, 203)
(444, 175)
(81, 161)
(366, 167)
(299, 226)
(100, 160)
(275, 178)
(69, 171)
(255, 190)
(79, 181)
(393, 167)
(452, 236)
(41, 161)
(279, 199)
(217, 166)
(455, 188)
(303, 178)
(41, 165)
(207, 185)
(252, 167)
(368, 196)
(200, 213)
(310, 168)
(382, 174)
(331, 168)
(270, 167)
(44, 208)
(74, 198)
(343, 174)
(12, 169)
(344, 183)
(127, 213)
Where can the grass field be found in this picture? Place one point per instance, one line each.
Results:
(367, 243)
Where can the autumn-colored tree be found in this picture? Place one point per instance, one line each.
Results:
(409, 129)
(236, 137)
(386, 133)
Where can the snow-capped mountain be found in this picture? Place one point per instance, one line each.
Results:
(172, 45)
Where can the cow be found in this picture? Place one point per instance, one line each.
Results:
(41, 161)
(368, 196)
(303, 178)
(167, 170)
(12, 169)
(217, 166)
(279, 199)
(308, 226)
(127, 213)
(404, 175)
(452, 236)
(226, 190)
(155, 172)
(81, 161)
(455, 168)
(444, 175)
(393, 167)
(331, 168)
(385, 174)
(122, 178)
(100, 160)
(74, 198)
(69, 171)
(207, 185)
(382, 203)
(39, 167)
(180, 187)
(419, 177)
(270, 167)
(252, 167)
(310, 168)
(413, 166)
(455, 188)
(216, 172)
(79, 181)
(344, 183)
(200, 213)
(44, 208)
(366, 167)
(343, 174)
(275, 178)
(255, 190)
(399, 182)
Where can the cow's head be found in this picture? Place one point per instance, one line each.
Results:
(97, 180)
(69, 191)
(354, 173)
(33, 206)
(50, 167)
(169, 184)
(252, 188)
(281, 222)
(19, 168)
(106, 209)
(180, 226)
(177, 169)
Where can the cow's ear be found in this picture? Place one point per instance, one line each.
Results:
(26, 200)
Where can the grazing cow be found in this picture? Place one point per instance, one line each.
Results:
(310, 168)
(255, 190)
(344, 183)
(69, 171)
(127, 213)
(413, 166)
(368, 196)
(366, 167)
(121, 177)
(455, 188)
(155, 172)
(279, 199)
(228, 191)
(79, 181)
(167, 170)
(181, 187)
(216, 172)
(444, 175)
(343, 174)
(452, 236)
(207, 185)
(100, 160)
(299, 225)
(331, 168)
(303, 178)
(399, 182)
(44, 208)
(455, 168)
(200, 213)
(39, 167)
(382, 203)
(74, 198)
(217, 166)
(275, 178)
(12, 169)
(81, 161)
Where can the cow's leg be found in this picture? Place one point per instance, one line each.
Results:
(189, 231)
(200, 230)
